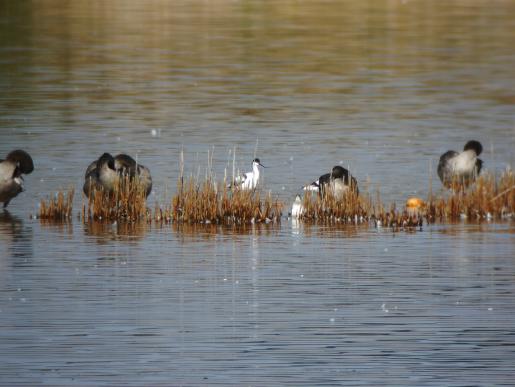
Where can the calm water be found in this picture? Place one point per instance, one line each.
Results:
(381, 87)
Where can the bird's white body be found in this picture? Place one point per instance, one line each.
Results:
(249, 180)
(313, 187)
(297, 209)
(464, 163)
(338, 188)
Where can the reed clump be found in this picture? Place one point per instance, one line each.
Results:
(209, 202)
(59, 207)
(347, 208)
(487, 198)
(126, 202)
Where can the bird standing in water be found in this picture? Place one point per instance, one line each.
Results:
(16, 163)
(105, 172)
(249, 180)
(461, 168)
(339, 181)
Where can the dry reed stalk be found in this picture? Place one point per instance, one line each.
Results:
(209, 202)
(58, 208)
(487, 198)
(349, 208)
(126, 202)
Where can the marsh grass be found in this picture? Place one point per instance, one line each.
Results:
(349, 208)
(487, 198)
(206, 201)
(126, 202)
(59, 207)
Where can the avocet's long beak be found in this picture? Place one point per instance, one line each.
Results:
(261, 165)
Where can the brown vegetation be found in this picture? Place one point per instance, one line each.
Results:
(58, 208)
(209, 202)
(126, 202)
(488, 198)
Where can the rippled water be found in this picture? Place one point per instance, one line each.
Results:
(381, 87)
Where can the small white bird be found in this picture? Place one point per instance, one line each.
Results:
(297, 209)
(461, 168)
(249, 180)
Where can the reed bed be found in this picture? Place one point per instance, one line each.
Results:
(352, 208)
(349, 208)
(206, 201)
(59, 207)
(488, 198)
(210, 202)
(127, 202)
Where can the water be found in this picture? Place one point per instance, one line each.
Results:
(381, 87)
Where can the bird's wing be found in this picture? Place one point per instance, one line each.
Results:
(145, 178)
(240, 179)
(125, 164)
(91, 167)
(443, 164)
(324, 179)
(479, 165)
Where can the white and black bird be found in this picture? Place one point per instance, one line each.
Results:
(16, 163)
(339, 181)
(461, 168)
(248, 180)
(105, 172)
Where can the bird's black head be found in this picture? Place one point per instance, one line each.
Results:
(22, 159)
(475, 146)
(339, 173)
(258, 162)
(106, 158)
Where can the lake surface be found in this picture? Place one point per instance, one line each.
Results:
(381, 87)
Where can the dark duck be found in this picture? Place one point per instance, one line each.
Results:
(16, 163)
(339, 181)
(105, 172)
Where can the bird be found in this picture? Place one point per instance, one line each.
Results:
(104, 173)
(461, 168)
(297, 209)
(16, 163)
(339, 182)
(248, 180)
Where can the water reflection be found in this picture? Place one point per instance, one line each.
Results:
(16, 247)
(123, 231)
(191, 232)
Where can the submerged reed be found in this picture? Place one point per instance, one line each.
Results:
(126, 202)
(58, 208)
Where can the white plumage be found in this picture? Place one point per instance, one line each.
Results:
(249, 180)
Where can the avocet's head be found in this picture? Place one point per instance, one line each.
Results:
(106, 159)
(473, 145)
(256, 163)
